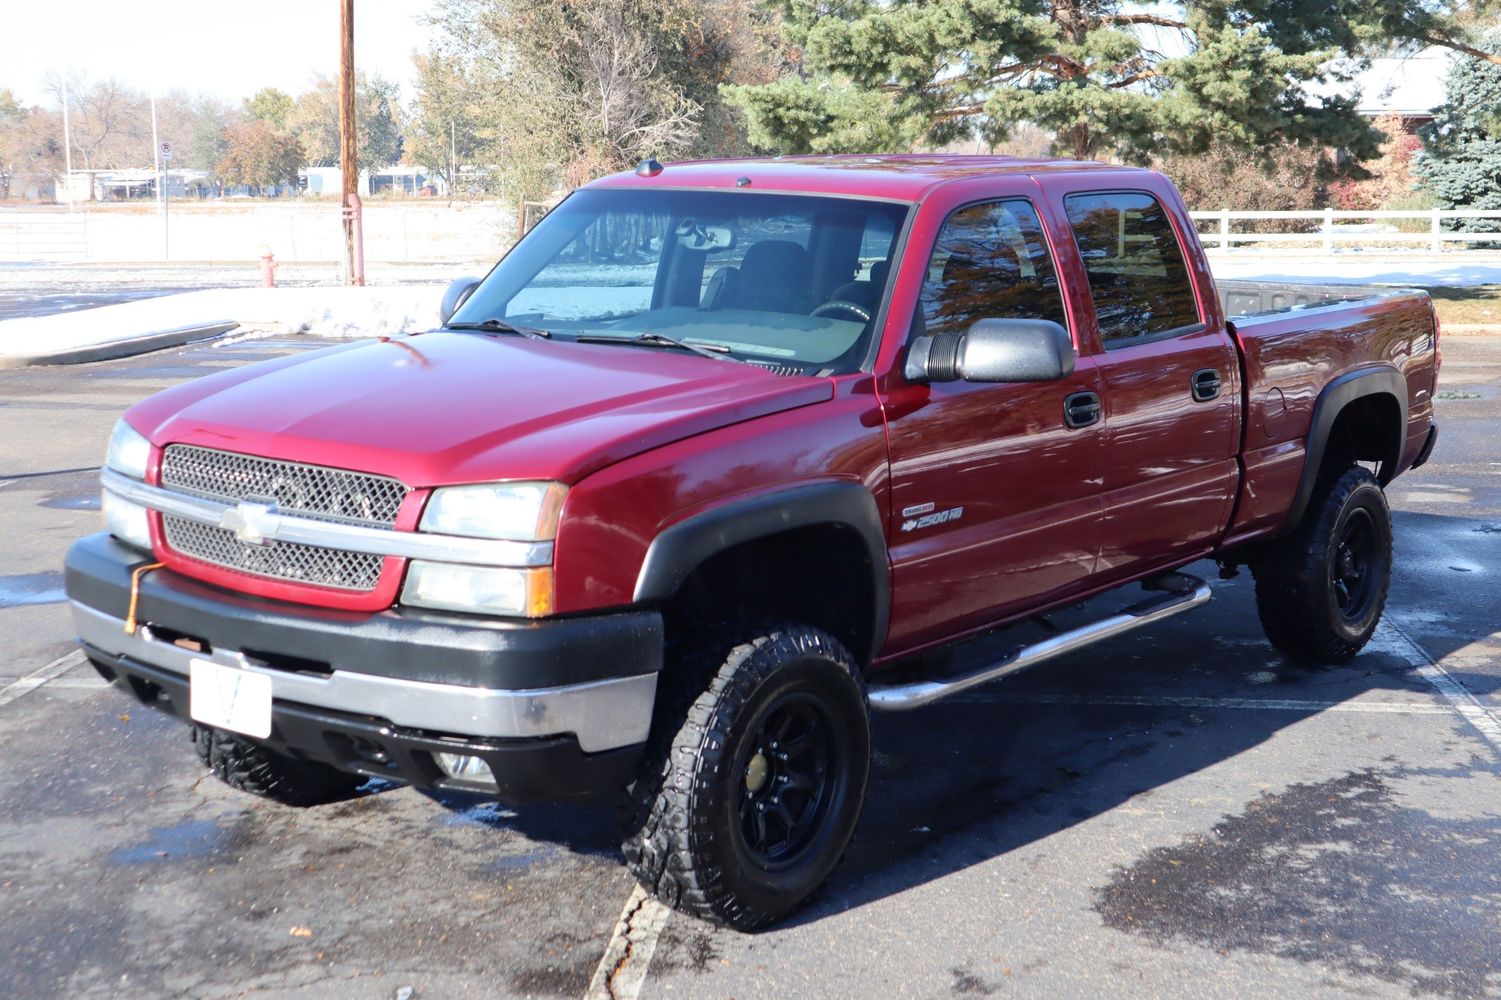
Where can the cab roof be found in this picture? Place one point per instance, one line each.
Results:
(907, 177)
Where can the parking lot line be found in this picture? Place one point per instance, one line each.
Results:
(1397, 641)
(622, 969)
(40, 676)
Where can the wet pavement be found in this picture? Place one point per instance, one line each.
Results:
(1176, 813)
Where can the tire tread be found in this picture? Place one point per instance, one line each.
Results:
(1290, 578)
(666, 830)
(249, 767)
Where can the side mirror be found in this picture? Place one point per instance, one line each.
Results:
(994, 350)
(458, 290)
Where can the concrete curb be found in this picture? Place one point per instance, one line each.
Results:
(121, 348)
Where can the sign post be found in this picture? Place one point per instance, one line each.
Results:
(165, 148)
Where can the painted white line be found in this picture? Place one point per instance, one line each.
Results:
(1252, 704)
(79, 684)
(40, 676)
(622, 969)
(1396, 640)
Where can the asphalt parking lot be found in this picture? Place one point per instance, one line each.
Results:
(1177, 813)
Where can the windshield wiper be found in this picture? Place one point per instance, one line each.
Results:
(649, 339)
(501, 326)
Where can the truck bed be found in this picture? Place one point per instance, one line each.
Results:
(1297, 339)
(1244, 300)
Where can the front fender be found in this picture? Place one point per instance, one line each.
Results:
(682, 547)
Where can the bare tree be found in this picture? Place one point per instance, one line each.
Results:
(636, 116)
(110, 123)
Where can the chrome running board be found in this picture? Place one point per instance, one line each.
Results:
(1184, 593)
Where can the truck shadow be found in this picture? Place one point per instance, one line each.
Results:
(1342, 871)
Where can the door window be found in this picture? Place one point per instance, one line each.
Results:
(991, 261)
(1135, 265)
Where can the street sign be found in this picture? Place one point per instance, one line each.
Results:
(166, 149)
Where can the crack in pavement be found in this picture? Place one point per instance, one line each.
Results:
(622, 968)
(630, 946)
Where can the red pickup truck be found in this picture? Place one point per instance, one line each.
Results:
(675, 495)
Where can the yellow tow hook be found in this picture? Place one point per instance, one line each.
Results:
(135, 594)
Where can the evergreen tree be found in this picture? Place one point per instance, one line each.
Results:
(1461, 161)
(1107, 77)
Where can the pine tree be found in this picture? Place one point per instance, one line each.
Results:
(1107, 77)
(1461, 160)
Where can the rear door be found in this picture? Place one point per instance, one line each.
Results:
(995, 499)
(1170, 377)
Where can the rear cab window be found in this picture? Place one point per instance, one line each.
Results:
(990, 261)
(1138, 276)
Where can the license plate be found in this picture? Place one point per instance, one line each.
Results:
(229, 698)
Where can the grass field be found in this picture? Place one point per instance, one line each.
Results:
(1475, 305)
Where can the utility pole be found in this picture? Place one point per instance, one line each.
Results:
(453, 145)
(156, 155)
(67, 141)
(348, 165)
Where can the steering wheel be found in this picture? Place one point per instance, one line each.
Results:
(843, 305)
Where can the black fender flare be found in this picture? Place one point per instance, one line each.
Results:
(682, 547)
(1341, 392)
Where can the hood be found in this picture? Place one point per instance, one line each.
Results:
(445, 408)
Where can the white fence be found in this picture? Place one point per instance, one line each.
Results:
(1330, 232)
(49, 236)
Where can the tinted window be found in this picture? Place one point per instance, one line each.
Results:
(991, 261)
(1135, 266)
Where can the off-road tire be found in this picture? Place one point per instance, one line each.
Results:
(684, 827)
(1297, 579)
(250, 767)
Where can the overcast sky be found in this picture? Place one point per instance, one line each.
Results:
(233, 51)
(228, 50)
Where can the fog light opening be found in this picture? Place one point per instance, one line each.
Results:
(461, 767)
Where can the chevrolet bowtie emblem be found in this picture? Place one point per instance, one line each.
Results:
(253, 523)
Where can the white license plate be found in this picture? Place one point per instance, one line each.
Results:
(229, 698)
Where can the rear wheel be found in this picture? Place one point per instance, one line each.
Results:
(755, 777)
(259, 770)
(1320, 592)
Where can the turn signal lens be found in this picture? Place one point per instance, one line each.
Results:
(479, 589)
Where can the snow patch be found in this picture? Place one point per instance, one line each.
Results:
(336, 311)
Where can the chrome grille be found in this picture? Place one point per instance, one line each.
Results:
(306, 564)
(301, 490)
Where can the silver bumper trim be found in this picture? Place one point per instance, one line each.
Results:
(273, 527)
(603, 715)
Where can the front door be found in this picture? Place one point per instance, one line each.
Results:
(995, 497)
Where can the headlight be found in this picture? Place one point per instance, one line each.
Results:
(518, 512)
(479, 589)
(128, 451)
(128, 522)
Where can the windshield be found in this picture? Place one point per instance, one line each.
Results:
(788, 281)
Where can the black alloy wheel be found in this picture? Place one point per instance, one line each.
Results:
(788, 780)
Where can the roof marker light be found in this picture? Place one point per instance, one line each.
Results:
(648, 168)
(742, 182)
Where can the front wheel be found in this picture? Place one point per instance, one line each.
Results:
(747, 799)
(1320, 592)
(250, 767)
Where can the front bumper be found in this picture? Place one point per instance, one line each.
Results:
(558, 708)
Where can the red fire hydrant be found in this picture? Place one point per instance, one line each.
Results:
(268, 269)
